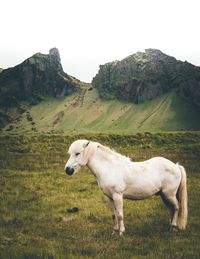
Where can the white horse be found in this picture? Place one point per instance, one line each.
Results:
(119, 177)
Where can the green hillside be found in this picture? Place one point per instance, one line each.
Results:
(83, 111)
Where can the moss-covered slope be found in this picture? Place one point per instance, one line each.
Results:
(84, 112)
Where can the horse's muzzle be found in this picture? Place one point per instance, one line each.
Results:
(69, 170)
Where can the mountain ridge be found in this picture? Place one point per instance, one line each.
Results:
(37, 95)
(146, 75)
(40, 74)
(30, 81)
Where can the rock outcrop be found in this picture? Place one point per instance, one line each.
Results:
(146, 75)
(36, 77)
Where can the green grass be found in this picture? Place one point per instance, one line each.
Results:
(36, 195)
(91, 114)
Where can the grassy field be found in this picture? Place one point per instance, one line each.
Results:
(85, 112)
(36, 197)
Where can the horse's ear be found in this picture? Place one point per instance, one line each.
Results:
(86, 144)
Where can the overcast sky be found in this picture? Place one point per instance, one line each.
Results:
(92, 32)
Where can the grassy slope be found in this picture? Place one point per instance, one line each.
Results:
(90, 114)
(36, 194)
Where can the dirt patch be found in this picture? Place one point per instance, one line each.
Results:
(78, 99)
(6, 241)
(58, 118)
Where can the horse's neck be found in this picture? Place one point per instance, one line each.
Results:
(99, 164)
(104, 162)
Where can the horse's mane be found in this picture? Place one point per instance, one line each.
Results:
(108, 151)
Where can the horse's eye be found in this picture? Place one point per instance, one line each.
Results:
(77, 154)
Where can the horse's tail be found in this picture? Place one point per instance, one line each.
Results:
(183, 200)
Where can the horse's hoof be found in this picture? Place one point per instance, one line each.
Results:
(173, 229)
(115, 230)
(121, 233)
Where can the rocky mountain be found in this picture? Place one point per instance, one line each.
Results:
(147, 91)
(146, 75)
(1, 69)
(36, 77)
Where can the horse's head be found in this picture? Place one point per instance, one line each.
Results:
(80, 151)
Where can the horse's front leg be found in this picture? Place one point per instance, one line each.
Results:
(118, 203)
(114, 214)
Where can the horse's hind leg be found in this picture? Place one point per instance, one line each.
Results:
(173, 200)
(168, 205)
(173, 204)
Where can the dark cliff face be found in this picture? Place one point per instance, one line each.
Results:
(144, 76)
(37, 76)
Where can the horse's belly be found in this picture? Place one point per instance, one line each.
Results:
(136, 196)
(140, 193)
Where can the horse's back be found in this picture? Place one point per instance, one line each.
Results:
(160, 160)
(161, 169)
(161, 164)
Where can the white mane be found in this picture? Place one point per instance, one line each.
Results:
(106, 151)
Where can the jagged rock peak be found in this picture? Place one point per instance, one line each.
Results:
(54, 59)
(54, 53)
(154, 51)
(158, 55)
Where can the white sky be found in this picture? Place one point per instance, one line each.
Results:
(92, 32)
